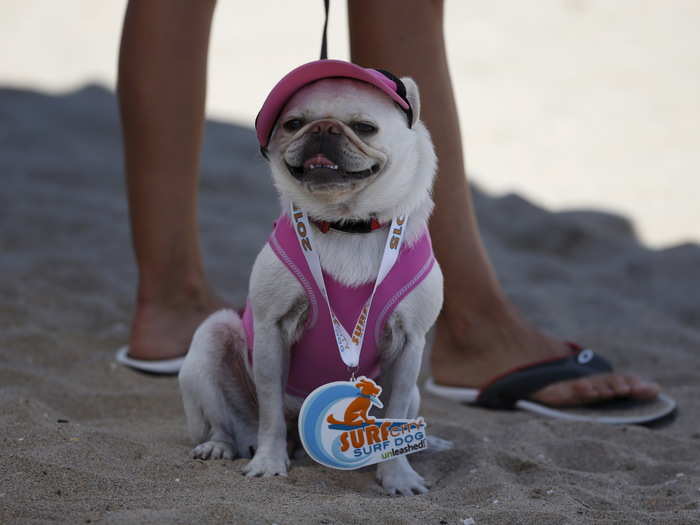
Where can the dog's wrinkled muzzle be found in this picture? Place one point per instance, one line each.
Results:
(324, 160)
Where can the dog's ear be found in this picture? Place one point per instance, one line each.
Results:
(413, 97)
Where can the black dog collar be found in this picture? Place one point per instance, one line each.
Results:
(364, 226)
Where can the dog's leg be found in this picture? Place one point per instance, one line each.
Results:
(216, 392)
(414, 405)
(396, 475)
(270, 368)
(279, 308)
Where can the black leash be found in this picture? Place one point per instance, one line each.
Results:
(324, 39)
(400, 88)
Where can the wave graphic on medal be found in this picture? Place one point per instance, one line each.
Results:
(337, 430)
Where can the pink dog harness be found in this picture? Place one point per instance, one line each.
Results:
(314, 359)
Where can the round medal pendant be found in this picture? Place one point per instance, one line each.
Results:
(337, 430)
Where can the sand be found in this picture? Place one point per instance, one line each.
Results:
(85, 440)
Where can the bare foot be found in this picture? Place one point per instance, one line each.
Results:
(163, 328)
(474, 352)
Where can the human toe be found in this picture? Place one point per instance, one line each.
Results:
(641, 389)
(564, 393)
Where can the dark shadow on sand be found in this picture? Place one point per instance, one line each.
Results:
(63, 205)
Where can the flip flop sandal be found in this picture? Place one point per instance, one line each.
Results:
(510, 391)
(163, 367)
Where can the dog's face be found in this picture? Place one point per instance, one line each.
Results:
(338, 139)
(329, 136)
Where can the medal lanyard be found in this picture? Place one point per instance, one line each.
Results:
(349, 345)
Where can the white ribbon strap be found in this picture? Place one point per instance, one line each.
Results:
(349, 345)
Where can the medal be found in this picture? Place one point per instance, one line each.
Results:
(337, 430)
(335, 426)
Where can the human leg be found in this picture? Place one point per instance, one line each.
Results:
(161, 88)
(479, 333)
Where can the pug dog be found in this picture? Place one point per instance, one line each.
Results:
(346, 153)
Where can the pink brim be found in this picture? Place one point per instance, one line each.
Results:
(311, 72)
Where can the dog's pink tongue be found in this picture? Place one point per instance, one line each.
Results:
(318, 160)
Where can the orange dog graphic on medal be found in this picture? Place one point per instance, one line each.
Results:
(356, 412)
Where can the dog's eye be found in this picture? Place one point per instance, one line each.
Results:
(293, 124)
(363, 128)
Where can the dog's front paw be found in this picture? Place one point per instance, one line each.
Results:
(397, 478)
(267, 464)
(213, 450)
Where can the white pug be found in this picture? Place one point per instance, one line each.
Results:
(341, 151)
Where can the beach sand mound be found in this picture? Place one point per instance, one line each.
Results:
(85, 440)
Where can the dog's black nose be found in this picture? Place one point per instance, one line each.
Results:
(326, 127)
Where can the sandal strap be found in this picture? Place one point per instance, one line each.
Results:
(506, 390)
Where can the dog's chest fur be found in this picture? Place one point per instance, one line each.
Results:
(353, 259)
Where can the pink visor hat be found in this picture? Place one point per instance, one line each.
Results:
(317, 70)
